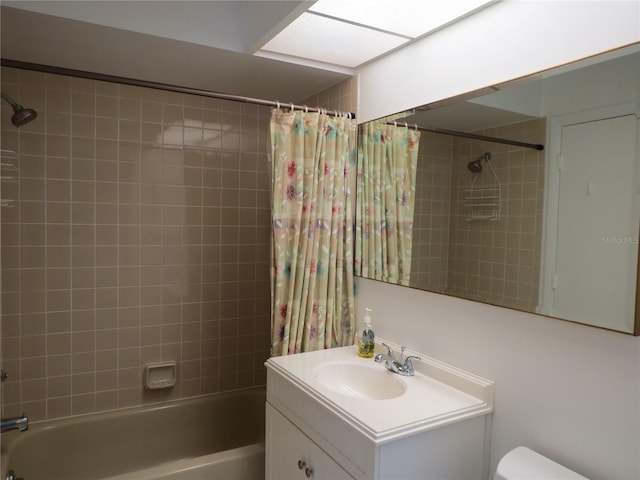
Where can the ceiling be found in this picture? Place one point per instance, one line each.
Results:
(206, 45)
(283, 50)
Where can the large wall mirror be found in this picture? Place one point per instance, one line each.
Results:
(525, 195)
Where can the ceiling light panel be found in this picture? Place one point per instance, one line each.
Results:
(326, 40)
(412, 18)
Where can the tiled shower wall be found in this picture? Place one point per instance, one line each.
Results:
(430, 251)
(498, 261)
(495, 262)
(139, 233)
(341, 97)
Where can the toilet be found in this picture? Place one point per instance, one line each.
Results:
(522, 463)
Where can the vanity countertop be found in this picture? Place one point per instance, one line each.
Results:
(437, 395)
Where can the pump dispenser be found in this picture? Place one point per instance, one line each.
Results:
(366, 340)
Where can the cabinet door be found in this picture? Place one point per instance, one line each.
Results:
(291, 455)
(285, 446)
(325, 467)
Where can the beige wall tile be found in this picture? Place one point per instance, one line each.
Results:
(118, 226)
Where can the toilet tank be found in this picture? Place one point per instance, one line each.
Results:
(522, 463)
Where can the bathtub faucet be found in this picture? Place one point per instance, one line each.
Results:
(20, 423)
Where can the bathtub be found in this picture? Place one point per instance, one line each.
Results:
(214, 437)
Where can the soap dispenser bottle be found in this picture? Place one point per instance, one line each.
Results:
(366, 343)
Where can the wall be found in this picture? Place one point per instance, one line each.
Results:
(431, 217)
(499, 261)
(140, 233)
(500, 43)
(493, 261)
(341, 97)
(569, 391)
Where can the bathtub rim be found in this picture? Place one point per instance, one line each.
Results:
(187, 464)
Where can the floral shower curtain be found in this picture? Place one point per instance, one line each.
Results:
(313, 163)
(387, 161)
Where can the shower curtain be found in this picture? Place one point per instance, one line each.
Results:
(313, 164)
(387, 162)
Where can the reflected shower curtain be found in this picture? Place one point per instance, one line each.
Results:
(386, 179)
(313, 162)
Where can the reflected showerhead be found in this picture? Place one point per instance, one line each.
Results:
(21, 115)
(475, 166)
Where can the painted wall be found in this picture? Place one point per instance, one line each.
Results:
(500, 43)
(569, 391)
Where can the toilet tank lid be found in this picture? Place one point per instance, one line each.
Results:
(522, 463)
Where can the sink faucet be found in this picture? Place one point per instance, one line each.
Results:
(402, 367)
(20, 423)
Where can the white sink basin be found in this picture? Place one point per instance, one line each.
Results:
(360, 381)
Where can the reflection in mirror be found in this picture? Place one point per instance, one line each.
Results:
(386, 192)
(500, 219)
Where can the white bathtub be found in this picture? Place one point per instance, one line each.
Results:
(214, 437)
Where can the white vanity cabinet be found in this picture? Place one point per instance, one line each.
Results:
(291, 455)
(436, 429)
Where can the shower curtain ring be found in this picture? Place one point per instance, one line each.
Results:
(278, 104)
(292, 106)
(306, 109)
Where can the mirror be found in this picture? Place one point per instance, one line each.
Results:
(525, 195)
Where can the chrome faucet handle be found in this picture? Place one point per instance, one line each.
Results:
(408, 362)
(388, 358)
(411, 357)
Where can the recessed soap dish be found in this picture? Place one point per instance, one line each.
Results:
(159, 375)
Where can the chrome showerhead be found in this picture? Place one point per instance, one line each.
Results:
(475, 166)
(21, 115)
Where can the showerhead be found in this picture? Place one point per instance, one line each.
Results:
(21, 115)
(475, 166)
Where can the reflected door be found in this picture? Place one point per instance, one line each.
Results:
(597, 227)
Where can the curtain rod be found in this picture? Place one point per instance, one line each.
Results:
(161, 86)
(474, 136)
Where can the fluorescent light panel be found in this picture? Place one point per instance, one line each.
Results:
(326, 40)
(351, 32)
(412, 18)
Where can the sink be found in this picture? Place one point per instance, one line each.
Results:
(360, 381)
